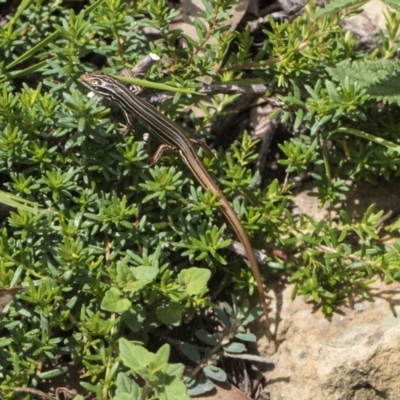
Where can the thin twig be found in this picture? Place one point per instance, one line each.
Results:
(251, 357)
(142, 66)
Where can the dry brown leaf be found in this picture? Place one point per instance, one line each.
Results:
(7, 294)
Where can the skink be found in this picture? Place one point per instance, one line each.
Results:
(172, 138)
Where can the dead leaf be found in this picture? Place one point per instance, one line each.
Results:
(7, 294)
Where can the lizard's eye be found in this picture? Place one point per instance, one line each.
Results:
(96, 82)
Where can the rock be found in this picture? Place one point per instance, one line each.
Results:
(354, 355)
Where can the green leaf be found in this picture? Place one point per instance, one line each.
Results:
(171, 313)
(216, 373)
(246, 336)
(197, 387)
(134, 356)
(142, 276)
(392, 3)
(145, 274)
(20, 203)
(49, 39)
(154, 85)
(53, 373)
(113, 302)
(223, 314)
(190, 352)
(124, 274)
(378, 77)
(175, 389)
(125, 396)
(126, 384)
(234, 347)
(195, 279)
(201, 29)
(159, 363)
(252, 315)
(134, 317)
(368, 136)
(206, 337)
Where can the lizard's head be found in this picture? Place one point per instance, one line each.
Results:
(94, 80)
(100, 83)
